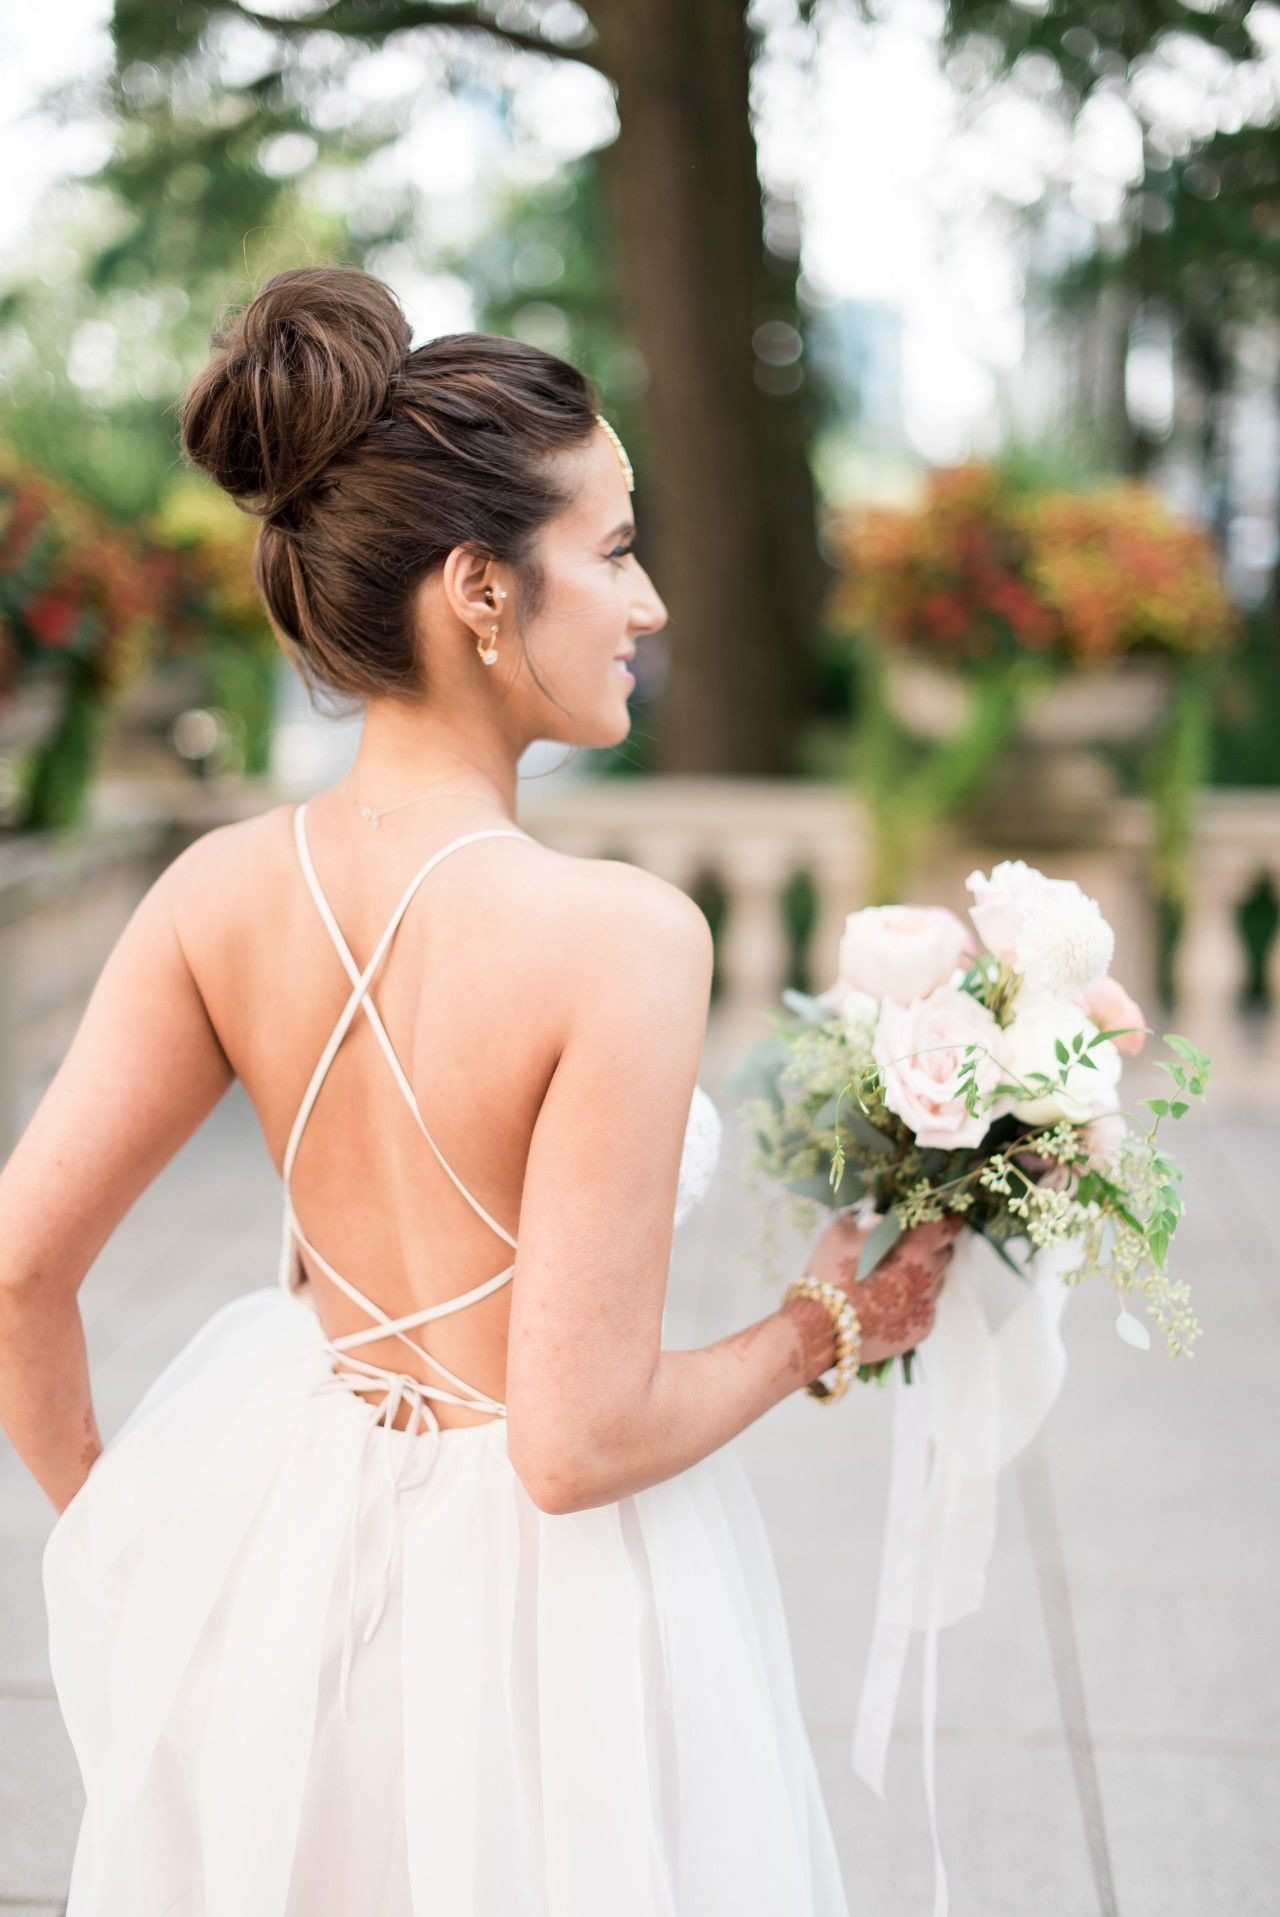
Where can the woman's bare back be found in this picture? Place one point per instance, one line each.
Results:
(467, 994)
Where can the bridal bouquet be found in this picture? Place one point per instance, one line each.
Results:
(971, 1070)
(944, 1072)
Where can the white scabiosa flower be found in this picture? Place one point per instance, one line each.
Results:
(1063, 943)
(1047, 929)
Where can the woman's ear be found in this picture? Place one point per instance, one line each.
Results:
(473, 590)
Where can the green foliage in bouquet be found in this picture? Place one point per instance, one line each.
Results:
(793, 1087)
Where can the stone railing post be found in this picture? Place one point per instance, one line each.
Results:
(1209, 971)
(754, 951)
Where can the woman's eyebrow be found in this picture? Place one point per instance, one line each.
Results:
(623, 527)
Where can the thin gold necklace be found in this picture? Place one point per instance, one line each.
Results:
(376, 816)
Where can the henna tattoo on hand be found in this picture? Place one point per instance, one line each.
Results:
(896, 1305)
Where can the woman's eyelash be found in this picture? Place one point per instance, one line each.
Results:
(622, 552)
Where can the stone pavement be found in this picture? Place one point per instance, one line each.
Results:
(1109, 1722)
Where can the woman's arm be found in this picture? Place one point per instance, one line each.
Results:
(595, 1407)
(144, 1069)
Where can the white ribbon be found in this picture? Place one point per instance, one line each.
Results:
(400, 1387)
(978, 1396)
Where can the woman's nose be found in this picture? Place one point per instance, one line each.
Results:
(649, 614)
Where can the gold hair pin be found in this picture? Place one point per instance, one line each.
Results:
(621, 451)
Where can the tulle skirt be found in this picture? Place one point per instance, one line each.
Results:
(553, 1716)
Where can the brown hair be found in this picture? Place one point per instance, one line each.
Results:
(368, 463)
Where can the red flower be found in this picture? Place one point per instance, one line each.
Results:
(52, 618)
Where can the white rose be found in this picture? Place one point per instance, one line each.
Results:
(921, 1048)
(901, 952)
(1027, 1045)
(1047, 929)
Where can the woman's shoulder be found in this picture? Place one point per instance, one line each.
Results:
(227, 862)
(613, 903)
(626, 946)
(224, 886)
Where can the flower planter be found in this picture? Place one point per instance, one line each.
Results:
(1112, 705)
(1052, 779)
(30, 712)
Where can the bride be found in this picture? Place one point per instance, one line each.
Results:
(412, 1585)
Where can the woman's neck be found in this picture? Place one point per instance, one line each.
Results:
(405, 750)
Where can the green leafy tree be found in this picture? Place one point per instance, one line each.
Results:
(1189, 239)
(183, 213)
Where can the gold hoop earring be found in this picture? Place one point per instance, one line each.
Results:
(489, 653)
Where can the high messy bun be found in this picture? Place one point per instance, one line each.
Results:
(299, 376)
(368, 463)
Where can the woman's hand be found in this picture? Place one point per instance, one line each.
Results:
(896, 1304)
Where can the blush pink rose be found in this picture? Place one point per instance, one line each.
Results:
(901, 952)
(921, 1049)
(1002, 903)
(1110, 1007)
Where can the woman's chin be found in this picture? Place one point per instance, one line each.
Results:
(609, 728)
(605, 723)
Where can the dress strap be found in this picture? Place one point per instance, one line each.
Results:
(359, 999)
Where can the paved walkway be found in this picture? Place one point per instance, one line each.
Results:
(1109, 1737)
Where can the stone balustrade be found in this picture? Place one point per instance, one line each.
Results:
(62, 905)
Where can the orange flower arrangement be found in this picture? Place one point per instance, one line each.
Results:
(1122, 573)
(978, 572)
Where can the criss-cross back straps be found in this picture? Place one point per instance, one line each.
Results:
(384, 1325)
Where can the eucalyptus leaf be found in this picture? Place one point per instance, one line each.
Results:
(805, 1006)
(1133, 1331)
(1004, 1256)
(881, 1240)
(818, 1186)
(756, 1073)
(859, 1126)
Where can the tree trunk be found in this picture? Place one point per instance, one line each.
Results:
(1273, 595)
(728, 511)
(1208, 353)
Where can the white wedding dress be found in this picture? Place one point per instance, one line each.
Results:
(316, 1666)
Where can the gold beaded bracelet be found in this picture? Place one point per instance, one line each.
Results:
(848, 1330)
